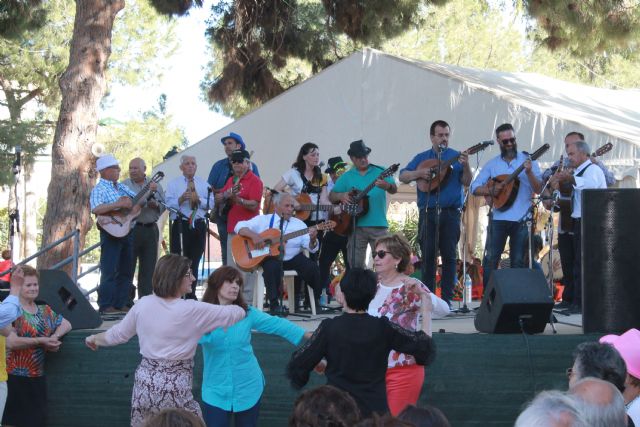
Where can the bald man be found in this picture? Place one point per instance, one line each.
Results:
(600, 403)
(145, 232)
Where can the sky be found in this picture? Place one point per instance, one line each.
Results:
(188, 111)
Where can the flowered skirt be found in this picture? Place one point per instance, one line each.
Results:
(161, 384)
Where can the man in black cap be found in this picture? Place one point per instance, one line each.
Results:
(333, 243)
(373, 224)
(221, 171)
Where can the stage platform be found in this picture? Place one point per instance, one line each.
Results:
(477, 379)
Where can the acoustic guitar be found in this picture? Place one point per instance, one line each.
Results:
(303, 208)
(223, 208)
(503, 199)
(359, 204)
(435, 180)
(565, 202)
(249, 258)
(118, 222)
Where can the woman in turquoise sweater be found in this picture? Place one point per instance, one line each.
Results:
(232, 381)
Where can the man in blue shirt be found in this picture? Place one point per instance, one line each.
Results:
(510, 222)
(447, 199)
(220, 173)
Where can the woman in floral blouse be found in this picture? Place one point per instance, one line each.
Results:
(38, 330)
(403, 300)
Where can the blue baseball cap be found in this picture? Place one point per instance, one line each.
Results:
(234, 136)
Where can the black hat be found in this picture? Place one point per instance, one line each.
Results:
(240, 155)
(358, 149)
(335, 164)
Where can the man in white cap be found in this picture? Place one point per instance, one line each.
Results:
(116, 256)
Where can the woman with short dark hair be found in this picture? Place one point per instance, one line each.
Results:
(168, 329)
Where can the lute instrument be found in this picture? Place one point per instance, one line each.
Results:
(249, 258)
(302, 210)
(437, 180)
(503, 199)
(118, 222)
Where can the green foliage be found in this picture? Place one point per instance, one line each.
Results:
(4, 228)
(17, 16)
(29, 135)
(408, 228)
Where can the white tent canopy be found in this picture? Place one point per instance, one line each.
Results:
(390, 102)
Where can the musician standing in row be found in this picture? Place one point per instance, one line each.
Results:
(510, 221)
(116, 258)
(145, 232)
(239, 205)
(190, 195)
(565, 237)
(585, 175)
(373, 225)
(293, 258)
(448, 197)
(220, 172)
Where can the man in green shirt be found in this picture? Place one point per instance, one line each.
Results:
(373, 224)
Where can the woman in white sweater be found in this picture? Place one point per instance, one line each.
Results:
(168, 330)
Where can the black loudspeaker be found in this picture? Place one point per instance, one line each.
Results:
(58, 291)
(610, 263)
(515, 296)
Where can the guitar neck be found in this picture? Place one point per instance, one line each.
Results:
(308, 207)
(298, 233)
(141, 193)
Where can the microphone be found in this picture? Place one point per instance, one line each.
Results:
(442, 147)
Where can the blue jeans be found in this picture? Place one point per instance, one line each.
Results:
(497, 235)
(116, 270)
(216, 417)
(449, 234)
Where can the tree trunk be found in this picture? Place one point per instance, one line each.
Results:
(72, 164)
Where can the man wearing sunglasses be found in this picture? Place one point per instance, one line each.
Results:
(447, 200)
(220, 172)
(508, 223)
(239, 200)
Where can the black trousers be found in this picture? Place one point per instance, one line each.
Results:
(332, 245)
(145, 254)
(272, 273)
(193, 239)
(565, 247)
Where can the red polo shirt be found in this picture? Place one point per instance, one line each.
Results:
(250, 189)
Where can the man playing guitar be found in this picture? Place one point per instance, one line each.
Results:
(448, 198)
(508, 222)
(565, 237)
(584, 176)
(373, 224)
(293, 258)
(116, 256)
(242, 194)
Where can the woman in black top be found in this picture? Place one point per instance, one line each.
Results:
(356, 346)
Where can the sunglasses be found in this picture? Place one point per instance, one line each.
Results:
(380, 254)
(237, 161)
(508, 141)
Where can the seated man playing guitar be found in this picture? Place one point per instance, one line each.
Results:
(292, 258)
(508, 219)
(116, 256)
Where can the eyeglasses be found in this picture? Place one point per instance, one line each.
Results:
(380, 254)
(569, 372)
(237, 161)
(508, 140)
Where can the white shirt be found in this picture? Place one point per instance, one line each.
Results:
(294, 246)
(593, 177)
(294, 181)
(634, 411)
(177, 186)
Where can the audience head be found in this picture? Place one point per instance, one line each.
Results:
(173, 417)
(6, 254)
(359, 286)
(395, 246)
(600, 403)
(325, 406)
(592, 359)
(552, 409)
(428, 416)
(171, 273)
(220, 282)
(628, 345)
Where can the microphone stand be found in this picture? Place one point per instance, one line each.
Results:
(207, 244)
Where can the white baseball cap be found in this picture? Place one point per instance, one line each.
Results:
(106, 161)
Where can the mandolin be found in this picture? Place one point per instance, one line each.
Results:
(304, 206)
(249, 258)
(503, 199)
(437, 180)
